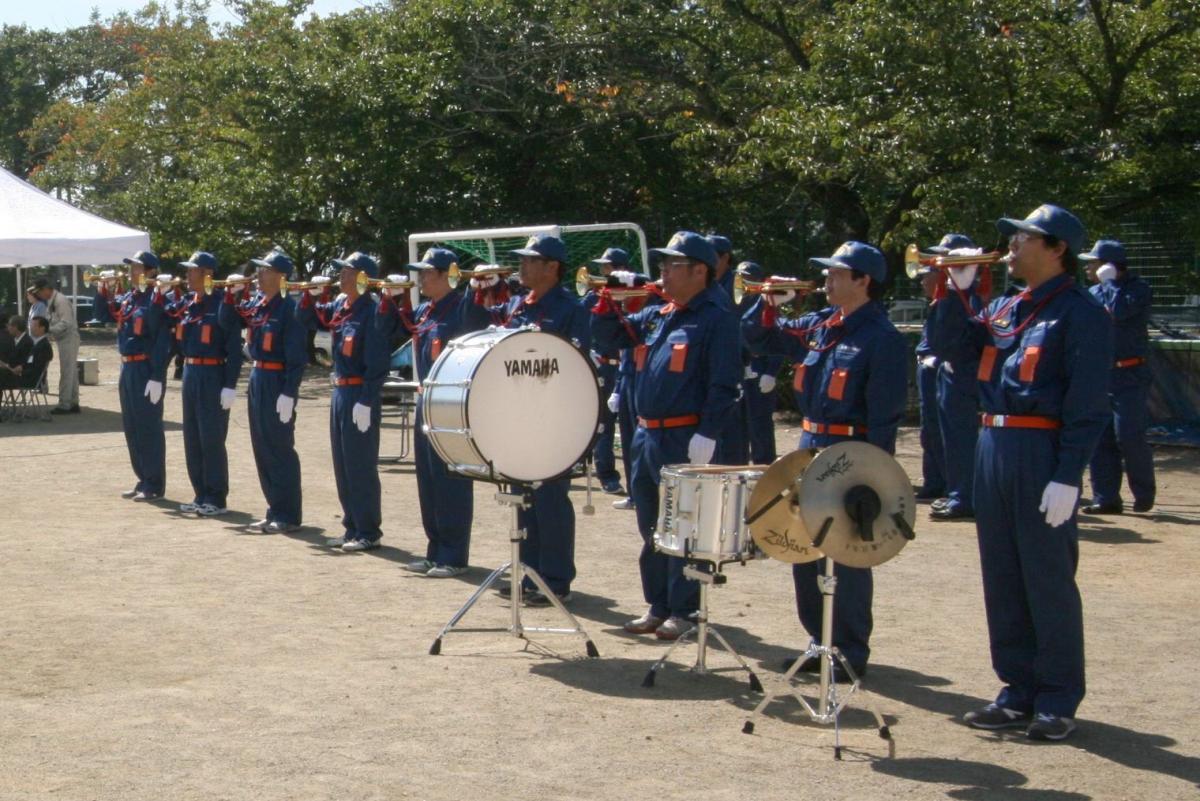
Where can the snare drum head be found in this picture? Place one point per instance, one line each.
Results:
(533, 406)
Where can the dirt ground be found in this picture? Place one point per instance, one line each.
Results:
(144, 655)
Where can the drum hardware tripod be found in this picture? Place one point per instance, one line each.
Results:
(702, 629)
(516, 498)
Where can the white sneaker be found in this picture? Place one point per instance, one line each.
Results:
(360, 545)
(189, 508)
(146, 496)
(624, 503)
(259, 526)
(211, 510)
(275, 527)
(445, 571)
(130, 493)
(422, 566)
(335, 542)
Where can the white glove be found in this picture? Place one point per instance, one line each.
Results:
(361, 415)
(929, 361)
(1058, 502)
(701, 449)
(948, 367)
(164, 278)
(779, 298)
(963, 277)
(485, 282)
(227, 398)
(236, 279)
(395, 291)
(154, 391)
(624, 277)
(284, 407)
(766, 384)
(321, 282)
(1106, 272)
(614, 402)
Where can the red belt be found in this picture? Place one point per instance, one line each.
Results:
(352, 381)
(1020, 421)
(204, 361)
(670, 422)
(837, 429)
(136, 357)
(269, 365)
(1134, 362)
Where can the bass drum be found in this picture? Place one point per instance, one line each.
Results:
(511, 405)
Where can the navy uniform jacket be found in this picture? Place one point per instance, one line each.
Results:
(962, 371)
(556, 312)
(359, 348)
(1128, 300)
(851, 373)
(687, 360)
(142, 326)
(275, 334)
(435, 323)
(201, 334)
(1057, 367)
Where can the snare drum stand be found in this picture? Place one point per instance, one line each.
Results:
(702, 629)
(516, 498)
(829, 702)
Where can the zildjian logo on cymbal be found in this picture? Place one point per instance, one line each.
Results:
(838, 468)
(782, 540)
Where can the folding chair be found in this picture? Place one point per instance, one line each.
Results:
(27, 403)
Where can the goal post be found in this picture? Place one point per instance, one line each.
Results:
(492, 245)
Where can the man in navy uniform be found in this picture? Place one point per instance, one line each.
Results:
(733, 445)
(851, 384)
(1044, 361)
(212, 359)
(1128, 298)
(447, 499)
(688, 360)
(607, 364)
(549, 521)
(278, 348)
(143, 340)
(933, 451)
(759, 385)
(360, 365)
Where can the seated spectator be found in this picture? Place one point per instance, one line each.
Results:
(26, 374)
(22, 342)
(7, 345)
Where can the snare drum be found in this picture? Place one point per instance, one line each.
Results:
(702, 512)
(516, 405)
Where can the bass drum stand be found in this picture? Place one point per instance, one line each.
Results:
(516, 497)
(702, 630)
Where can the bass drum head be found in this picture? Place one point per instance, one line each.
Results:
(533, 406)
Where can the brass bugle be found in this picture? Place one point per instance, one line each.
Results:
(914, 260)
(305, 286)
(771, 286)
(364, 282)
(585, 282)
(90, 278)
(210, 284)
(485, 270)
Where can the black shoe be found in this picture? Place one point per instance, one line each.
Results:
(1050, 727)
(993, 717)
(505, 591)
(809, 665)
(537, 599)
(1143, 506)
(940, 503)
(950, 513)
(613, 488)
(1104, 509)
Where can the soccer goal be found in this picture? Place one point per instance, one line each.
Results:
(492, 245)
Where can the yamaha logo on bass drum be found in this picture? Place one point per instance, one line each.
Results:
(537, 368)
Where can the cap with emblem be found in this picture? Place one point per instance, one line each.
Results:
(1048, 220)
(1108, 251)
(435, 259)
(202, 259)
(952, 242)
(144, 258)
(689, 245)
(544, 246)
(751, 271)
(721, 244)
(276, 260)
(857, 256)
(617, 257)
(359, 261)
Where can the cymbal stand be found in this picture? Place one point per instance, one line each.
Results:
(702, 629)
(830, 701)
(516, 498)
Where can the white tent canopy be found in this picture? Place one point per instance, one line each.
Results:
(35, 228)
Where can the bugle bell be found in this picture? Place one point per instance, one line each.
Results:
(914, 260)
(104, 277)
(771, 286)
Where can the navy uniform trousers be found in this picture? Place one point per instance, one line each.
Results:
(143, 424)
(1034, 612)
(447, 502)
(205, 425)
(958, 421)
(274, 445)
(760, 411)
(548, 546)
(356, 465)
(933, 452)
(664, 586)
(602, 452)
(1123, 448)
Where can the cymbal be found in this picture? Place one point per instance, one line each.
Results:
(857, 503)
(779, 531)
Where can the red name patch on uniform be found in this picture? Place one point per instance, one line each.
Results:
(986, 362)
(678, 357)
(268, 340)
(1029, 362)
(837, 383)
(348, 346)
(206, 334)
(435, 349)
(798, 378)
(639, 357)
(137, 326)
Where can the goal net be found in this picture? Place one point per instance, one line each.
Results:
(492, 245)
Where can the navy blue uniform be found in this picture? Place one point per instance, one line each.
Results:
(958, 417)
(607, 365)
(549, 522)
(688, 367)
(733, 444)
(144, 342)
(850, 382)
(1044, 362)
(1128, 299)
(212, 360)
(447, 499)
(278, 347)
(933, 450)
(360, 364)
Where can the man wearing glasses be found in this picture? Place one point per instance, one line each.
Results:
(687, 354)
(1044, 359)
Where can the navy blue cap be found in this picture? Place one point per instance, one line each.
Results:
(1048, 220)
(857, 256)
(751, 270)
(278, 261)
(546, 246)
(689, 245)
(952, 242)
(202, 259)
(1109, 251)
(359, 261)
(144, 258)
(721, 244)
(617, 257)
(435, 259)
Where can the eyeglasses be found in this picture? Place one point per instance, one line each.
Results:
(1025, 236)
(673, 262)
